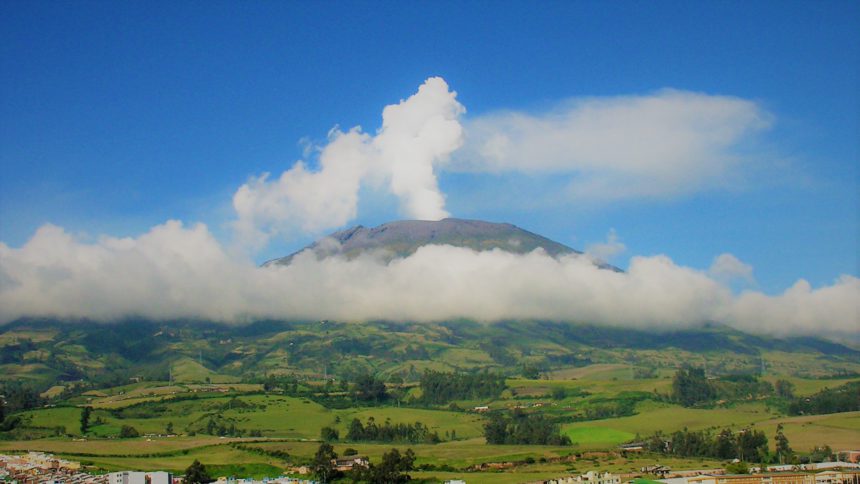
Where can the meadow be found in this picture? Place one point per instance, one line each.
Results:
(290, 426)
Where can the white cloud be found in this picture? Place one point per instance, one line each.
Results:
(654, 146)
(174, 271)
(662, 145)
(801, 309)
(416, 135)
(606, 251)
(727, 267)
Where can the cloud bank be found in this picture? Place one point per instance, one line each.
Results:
(416, 135)
(174, 271)
(661, 145)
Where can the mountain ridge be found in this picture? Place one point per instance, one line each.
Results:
(402, 238)
(50, 350)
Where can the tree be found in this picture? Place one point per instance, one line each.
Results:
(85, 419)
(368, 388)
(393, 469)
(329, 434)
(531, 372)
(783, 450)
(821, 453)
(128, 432)
(784, 389)
(738, 468)
(752, 445)
(169, 428)
(725, 445)
(322, 464)
(196, 473)
(496, 430)
(356, 430)
(690, 387)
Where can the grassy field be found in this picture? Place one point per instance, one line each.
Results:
(459, 454)
(598, 437)
(271, 415)
(292, 425)
(595, 387)
(139, 446)
(839, 430)
(654, 416)
(231, 461)
(187, 370)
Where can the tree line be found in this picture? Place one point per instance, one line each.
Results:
(438, 387)
(523, 428)
(747, 445)
(845, 398)
(692, 388)
(412, 433)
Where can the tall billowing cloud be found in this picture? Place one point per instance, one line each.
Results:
(662, 145)
(174, 271)
(416, 135)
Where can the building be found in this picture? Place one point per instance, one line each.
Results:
(632, 447)
(836, 477)
(590, 477)
(135, 477)
(347, 464)
(827, 477)
(852, 456)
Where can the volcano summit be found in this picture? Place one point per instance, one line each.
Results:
(403, 237)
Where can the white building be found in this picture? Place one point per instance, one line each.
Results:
(134, 477)
(590, 477)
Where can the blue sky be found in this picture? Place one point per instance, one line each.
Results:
(118, 116)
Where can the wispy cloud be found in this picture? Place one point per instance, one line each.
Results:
(608, 250)
(656, 146)
(174, 271)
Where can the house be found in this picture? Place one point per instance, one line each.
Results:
(657, 470)
(482, 409)
(632, 447)
(835, 477)
(852, 456)
(785, 478)
(134, 477)
(589, 477)
(347, 464)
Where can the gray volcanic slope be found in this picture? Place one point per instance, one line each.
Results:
(404, 237)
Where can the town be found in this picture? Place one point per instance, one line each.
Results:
(45, 468)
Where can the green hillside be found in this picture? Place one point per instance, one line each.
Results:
(47, 352)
